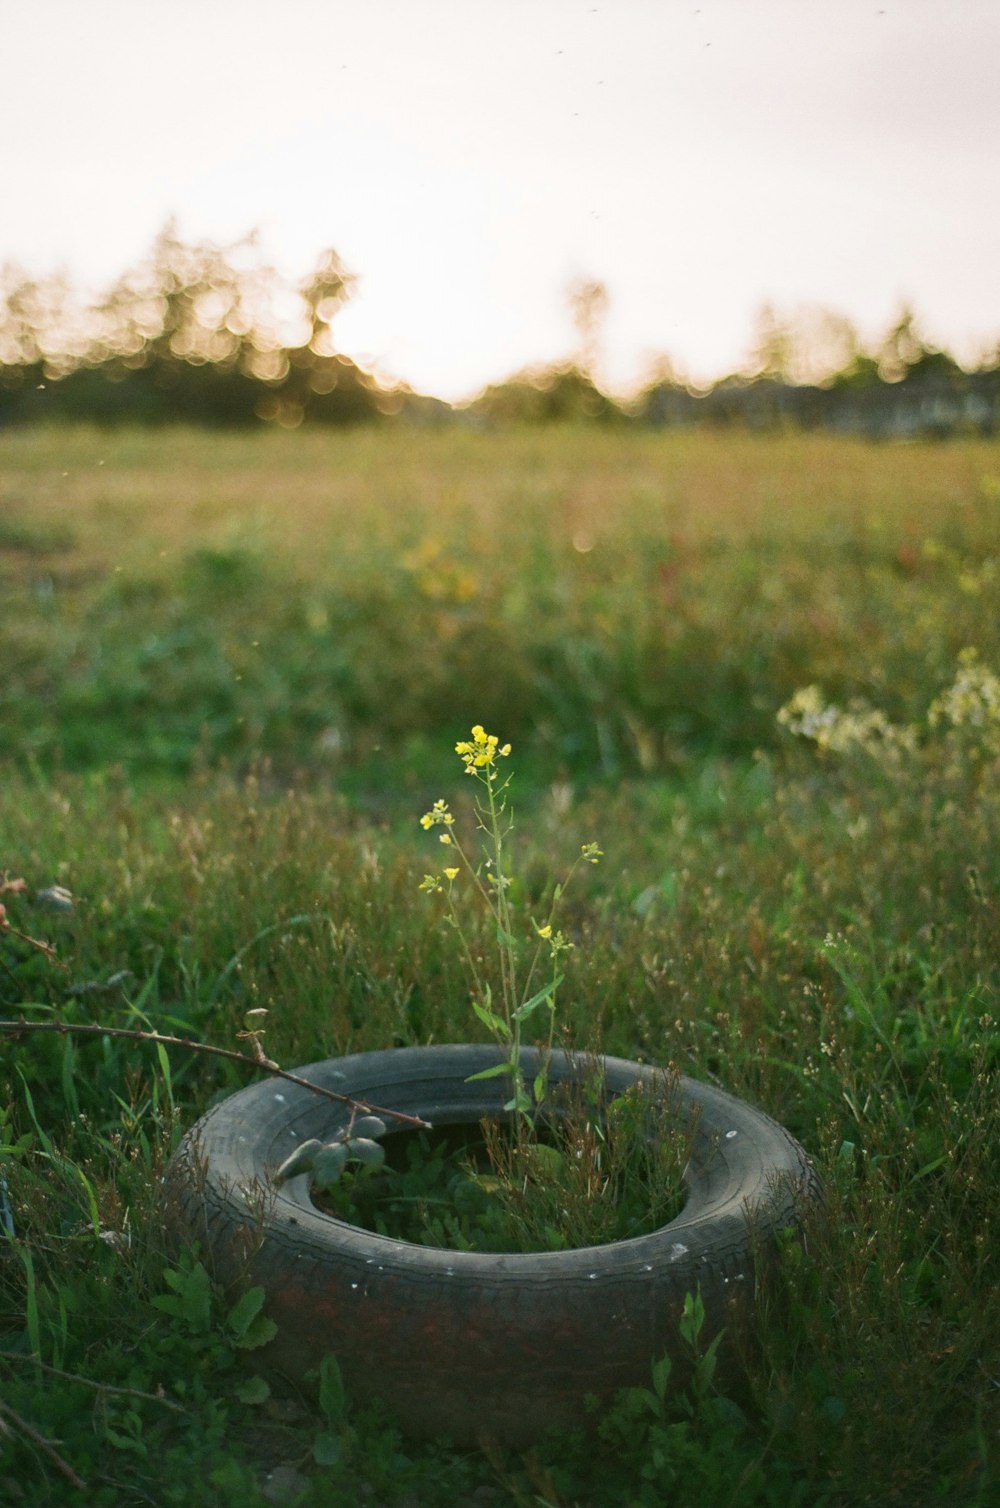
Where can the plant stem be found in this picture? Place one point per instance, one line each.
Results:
(508, 959)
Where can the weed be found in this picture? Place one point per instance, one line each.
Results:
(494, 885)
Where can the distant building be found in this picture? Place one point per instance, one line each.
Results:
(920, 406)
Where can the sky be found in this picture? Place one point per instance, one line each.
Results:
(470, 159)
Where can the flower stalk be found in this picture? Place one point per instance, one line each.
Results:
(492, 882)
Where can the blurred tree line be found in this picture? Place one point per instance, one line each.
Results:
(198, 333)
(810, 369)
(214, 335)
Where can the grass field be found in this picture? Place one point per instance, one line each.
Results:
(234, 670)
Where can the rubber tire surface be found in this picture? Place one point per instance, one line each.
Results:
(466, 1345)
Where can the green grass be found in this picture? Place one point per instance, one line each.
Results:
(170, 601)
(816, 930)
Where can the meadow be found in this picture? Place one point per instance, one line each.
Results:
(762, 672)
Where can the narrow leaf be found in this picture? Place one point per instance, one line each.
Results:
(332, 1397)
(489, 1073)
(524, 1011)
(489, 1018)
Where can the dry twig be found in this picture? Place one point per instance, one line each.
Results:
(21, 1028)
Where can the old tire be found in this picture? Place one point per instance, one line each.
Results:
(466, 1345)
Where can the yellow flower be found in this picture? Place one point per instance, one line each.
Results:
(438, 815)
(451, 874)
(482, 750)
(545, 931)
(445, 838)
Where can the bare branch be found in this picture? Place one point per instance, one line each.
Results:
(21, 1028)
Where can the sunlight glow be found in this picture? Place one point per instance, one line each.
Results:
(470, 161)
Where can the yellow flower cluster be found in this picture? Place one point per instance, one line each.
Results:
(438, 816)
(557, 942)
(432, 882)
(482, 750)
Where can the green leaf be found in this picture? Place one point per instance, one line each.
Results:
(705, 1369)
(125, 1442)
(693, 1318)
(258, 1333)
(489, 1018)
(326, 1449)
(332, 1397)
(545, 1161)
(249, 1326)
(245, 1311)
(164, 1062)
(167, 1303)
(367, 1152)
(191, 1299)
(68, 1075)
(490, 1073)
(13, 1151)
(46, 1144)
(299, 1161)
(661, 1377)
(520, 1102)
(254, 1390)
(329, 1163)
(524, 1011)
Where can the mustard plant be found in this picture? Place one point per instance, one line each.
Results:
(525, 953)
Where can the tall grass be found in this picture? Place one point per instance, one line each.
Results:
(815, 925)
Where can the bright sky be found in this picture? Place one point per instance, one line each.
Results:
(469, 158)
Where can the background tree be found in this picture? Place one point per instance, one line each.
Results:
(194, 332)
(588, 302)
(904, 353)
